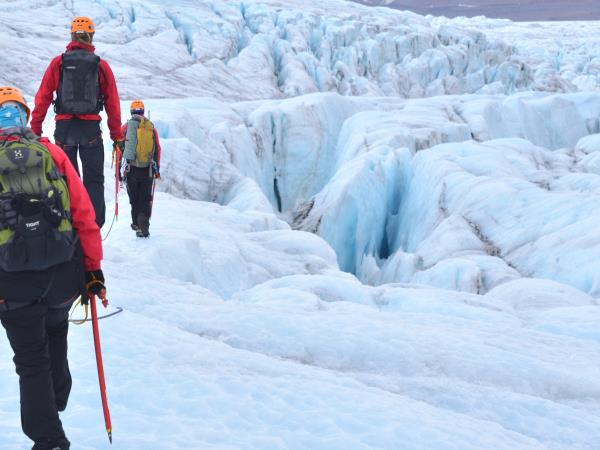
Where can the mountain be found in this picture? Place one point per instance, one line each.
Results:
(374, 229)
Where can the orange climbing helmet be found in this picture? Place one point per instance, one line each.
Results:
(12, 94)
(83, 25)
(137, 105)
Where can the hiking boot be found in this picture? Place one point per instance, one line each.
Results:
(143, 225)
(140, 233)
(134, 227)
(58, 444)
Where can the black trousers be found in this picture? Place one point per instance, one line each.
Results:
(38, 337)
(139, 189)
(85, 137)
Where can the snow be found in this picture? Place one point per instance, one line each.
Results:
(374, 230)
(315, 359)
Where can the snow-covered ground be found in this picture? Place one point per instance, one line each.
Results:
(239, 333)
(340, 257)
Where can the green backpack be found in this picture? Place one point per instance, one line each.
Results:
(35, 220)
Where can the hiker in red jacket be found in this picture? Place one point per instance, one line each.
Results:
(50, 254)
(84, 85)
(142, 166)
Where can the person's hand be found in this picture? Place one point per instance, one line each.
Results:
(119, 145)
(94, 283)
(155, 170)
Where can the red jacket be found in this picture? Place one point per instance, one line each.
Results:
(158, 149)
(49, 85)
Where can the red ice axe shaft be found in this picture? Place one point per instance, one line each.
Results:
(117, 157)
(100, 366)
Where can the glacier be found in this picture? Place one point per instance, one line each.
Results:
(374, 230)
(246, 50)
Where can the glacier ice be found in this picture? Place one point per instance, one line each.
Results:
(297, 142)
(245, 50)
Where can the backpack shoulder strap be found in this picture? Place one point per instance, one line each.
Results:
(101, 75)
(21, 133)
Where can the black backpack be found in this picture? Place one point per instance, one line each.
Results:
(79, 87)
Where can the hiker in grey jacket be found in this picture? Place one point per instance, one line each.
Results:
(142, 166)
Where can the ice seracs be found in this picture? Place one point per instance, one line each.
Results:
(297, 143)
(249, 50)
(425, 190)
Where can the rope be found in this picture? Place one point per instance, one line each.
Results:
(78, 322)
(111, 225)
(86, 319)
(115, 157)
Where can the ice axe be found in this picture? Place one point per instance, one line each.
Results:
(155, 176)
(99, 364)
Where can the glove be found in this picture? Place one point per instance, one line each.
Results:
(156, 170)
(119, 144)
(94, 283)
